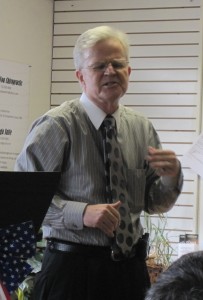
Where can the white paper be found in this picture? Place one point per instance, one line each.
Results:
(14, 92)
(194, 157)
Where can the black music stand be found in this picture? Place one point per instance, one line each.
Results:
(26, 196)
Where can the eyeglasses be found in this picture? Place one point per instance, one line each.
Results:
(116, 64)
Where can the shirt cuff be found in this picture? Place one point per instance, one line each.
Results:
(173, 182)
(73, 215)
(169, 181)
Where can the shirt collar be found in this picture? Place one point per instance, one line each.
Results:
(95, 113)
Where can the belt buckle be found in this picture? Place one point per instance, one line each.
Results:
(117, 255)
(50, 244)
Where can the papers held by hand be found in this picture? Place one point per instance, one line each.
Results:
(194, 156)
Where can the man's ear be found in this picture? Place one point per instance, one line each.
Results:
(129, 70)
(80, 78)
(79, 75)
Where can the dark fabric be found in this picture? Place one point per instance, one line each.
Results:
(70, 276)
(64, 246)
(141, 249)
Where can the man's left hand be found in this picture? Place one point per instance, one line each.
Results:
(164, 162)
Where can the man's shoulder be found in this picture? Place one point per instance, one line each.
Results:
(62, 114)
(132, 114)
(67, 107)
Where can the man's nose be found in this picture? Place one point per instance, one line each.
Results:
(109, 68)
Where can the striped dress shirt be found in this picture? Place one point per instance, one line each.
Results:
(68, 139)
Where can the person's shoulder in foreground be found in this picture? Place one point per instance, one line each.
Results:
(183, 280)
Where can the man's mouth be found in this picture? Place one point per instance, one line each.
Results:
(110, 83)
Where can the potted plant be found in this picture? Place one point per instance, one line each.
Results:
(160, 253)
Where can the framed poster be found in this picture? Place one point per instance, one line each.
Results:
(14, 99)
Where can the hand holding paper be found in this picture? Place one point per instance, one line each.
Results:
(194, 157)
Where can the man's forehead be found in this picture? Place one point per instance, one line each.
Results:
(95, 54)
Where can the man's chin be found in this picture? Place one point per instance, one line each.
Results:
(114, 97)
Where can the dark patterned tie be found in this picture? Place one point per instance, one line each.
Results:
(116, 185)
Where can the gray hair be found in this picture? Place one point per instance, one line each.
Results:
(94, 35)
(183, 280)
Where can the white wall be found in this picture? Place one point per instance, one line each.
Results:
(200, 207)
(26, 37)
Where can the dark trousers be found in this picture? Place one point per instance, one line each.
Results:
(71, 276)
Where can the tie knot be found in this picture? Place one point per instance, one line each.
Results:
(109, 122)
(109, 127)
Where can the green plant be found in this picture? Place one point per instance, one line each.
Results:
(160, 248)
(160, 254)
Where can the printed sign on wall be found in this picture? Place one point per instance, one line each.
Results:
(14, 94)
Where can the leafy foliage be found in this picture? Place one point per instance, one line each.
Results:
(160, 247)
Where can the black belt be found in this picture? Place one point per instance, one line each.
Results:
(88, 250)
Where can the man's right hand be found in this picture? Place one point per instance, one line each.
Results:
(106, 217)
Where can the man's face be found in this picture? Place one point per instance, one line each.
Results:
(105, 73)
